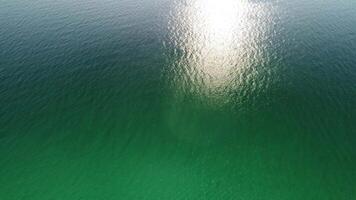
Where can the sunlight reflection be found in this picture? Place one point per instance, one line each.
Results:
(215, 41)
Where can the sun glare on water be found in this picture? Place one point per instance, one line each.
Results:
(215, 36)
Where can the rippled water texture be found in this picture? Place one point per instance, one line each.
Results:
(178, 99)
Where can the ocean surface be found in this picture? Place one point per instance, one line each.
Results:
(178, 99)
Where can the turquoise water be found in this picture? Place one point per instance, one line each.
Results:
(178, 99)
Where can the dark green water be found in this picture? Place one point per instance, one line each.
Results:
(178, 99)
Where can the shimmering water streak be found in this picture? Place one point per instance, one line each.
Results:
(217, 45)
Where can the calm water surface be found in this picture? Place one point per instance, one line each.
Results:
(178, 99)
